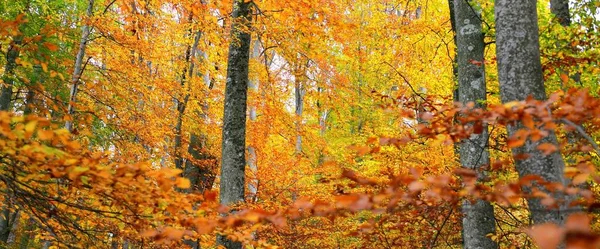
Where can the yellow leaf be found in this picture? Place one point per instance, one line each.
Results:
(30, 127)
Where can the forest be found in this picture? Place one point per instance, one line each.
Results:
(130, 124)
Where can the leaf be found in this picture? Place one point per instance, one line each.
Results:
(528, 121)
(183, 183)
(547, 148)
(580, 178)
(564, 78)
(416, 186)
(51, 46)
(30, 127)
(515, 142)
(173, 234)
(579, 222)
(45, 135)
(546, 236)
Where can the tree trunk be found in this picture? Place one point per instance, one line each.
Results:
(188, 72)
(5, 105)
(9, 71)
(234, 117)
(27, 234)
(520, 76)
(478, 217)
(299, 93)
(560, 8)
(201, 175)
(78, 69)
(252, 157)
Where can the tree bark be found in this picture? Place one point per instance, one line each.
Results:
(299, 93)
(520, 76)
(201, 175)
(252, 157)
(9, 71)
(478, 217)
(78, 69)
(560, 8)
(234, 118)
(5, 105)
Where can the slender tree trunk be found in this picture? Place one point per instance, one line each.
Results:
(78, 69)
(5, 224)
(27, 234)
(6, 105)
(13, 228)
(478, 217)
(234, 118)
(299, 92)
(252, 157)
(9, 71)
(560, 8)
(520, 76)
(182, 103)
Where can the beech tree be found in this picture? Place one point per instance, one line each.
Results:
(520, 77)
(344, 148)
(233, 162)
(478, 220)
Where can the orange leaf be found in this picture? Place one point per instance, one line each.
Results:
(528, 121)
(579, 222)
(173, 234)
(547, 148)
(564, 78)
(546, 236)
(515, 142)
(416, 186)
(182, 182)
(45, 134)
(51, 46)
(580, 178)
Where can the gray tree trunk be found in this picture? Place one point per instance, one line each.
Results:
(560, 8)
(234, 117)
(201, 176)
(520, 76)
(78, 69)
(478, 217)
(9, 71)
(252, 157)
(188, 72)
(299, 93)
(5, 105)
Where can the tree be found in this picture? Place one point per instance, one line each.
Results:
(79, 66)
(560, 8)
(478, 217)
(233, 162)
(520, 77)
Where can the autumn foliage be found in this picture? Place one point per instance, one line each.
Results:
(351, 133)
